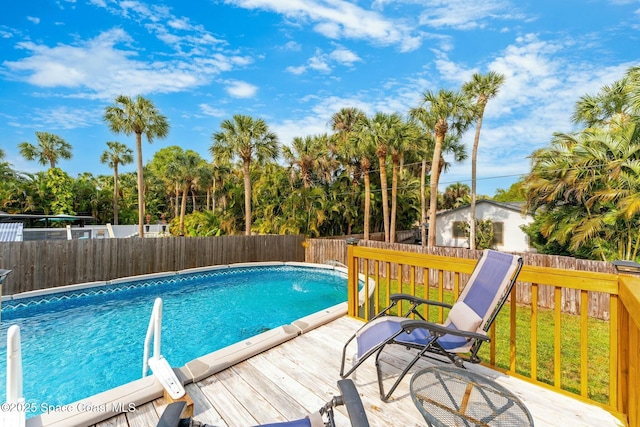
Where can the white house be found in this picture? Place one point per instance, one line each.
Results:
(506, 218)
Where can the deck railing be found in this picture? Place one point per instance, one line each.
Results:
(593, 360)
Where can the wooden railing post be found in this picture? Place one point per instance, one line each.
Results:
(352, 291)
(629, 349)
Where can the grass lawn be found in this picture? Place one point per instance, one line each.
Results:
(598, 343)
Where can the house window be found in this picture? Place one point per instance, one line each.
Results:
(459, 228)
(498, 233)
(460, 231)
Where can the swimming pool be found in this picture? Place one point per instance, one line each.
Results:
(79, 343)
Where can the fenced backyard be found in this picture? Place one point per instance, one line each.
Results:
(548, 286)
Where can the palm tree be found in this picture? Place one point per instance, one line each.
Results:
(634, 83)
(158, 166)
(456, 195)
(245, 138)
(378, 132)
(186, 167)
(424, 145)
(5, 167)
(343, 124)
(307, 155)
(359, 147)
(402, 138)
(118, 154)
(448, 111)
(219, 173)
(613, 102)
(483, 88)
(202, 181)
(587, 188)
(347, 151)
(50, 149)
(137, 116)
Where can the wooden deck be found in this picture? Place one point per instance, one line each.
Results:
(298, 377)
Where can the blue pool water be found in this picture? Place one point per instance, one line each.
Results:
(79, 343)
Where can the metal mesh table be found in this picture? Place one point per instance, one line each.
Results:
(452, 396)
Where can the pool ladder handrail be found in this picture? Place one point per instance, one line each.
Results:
(158, 364)
(16, 415)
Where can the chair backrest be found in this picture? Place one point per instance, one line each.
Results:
(486, 291)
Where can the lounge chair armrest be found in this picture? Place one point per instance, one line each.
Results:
(410, 325)
(417, 300)
(171, 415)
(352, 401)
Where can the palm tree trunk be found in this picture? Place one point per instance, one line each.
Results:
(115, 194)
(183, 208)
(423, 204)
(247, 198)
(140, 186)
(474, 157)
(385, 202)
(433, 200)
(367, 203)
(394, 195)
(176, 206)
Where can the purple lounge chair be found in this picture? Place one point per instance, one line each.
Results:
(464, 330)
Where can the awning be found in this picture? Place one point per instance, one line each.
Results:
(10, 231)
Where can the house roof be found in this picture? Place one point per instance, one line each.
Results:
(512, 206)
(5, 217)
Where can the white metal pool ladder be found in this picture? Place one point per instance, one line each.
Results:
(14, 412)
(158, 364)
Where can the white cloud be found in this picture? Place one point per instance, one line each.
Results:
(209, 110)
(296, 70)
(338, 19)
(450, 70)
(66, 118)
(320, 62)
(98, 69)
(59, 118)
(344, 56)
(240, 89)
(177, 32)
(457, 14)
(292, 46)
(465, 15)
(179, 24)
(33, 19)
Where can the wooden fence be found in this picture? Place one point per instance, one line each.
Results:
(320, 250)
(46, 264)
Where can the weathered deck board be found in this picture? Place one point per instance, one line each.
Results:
(300, 376)
(119, 421)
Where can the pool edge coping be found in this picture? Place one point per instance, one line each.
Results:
(159, 275)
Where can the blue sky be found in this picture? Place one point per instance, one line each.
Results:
(296, 62)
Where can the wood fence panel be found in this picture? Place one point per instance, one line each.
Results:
(45, 264)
